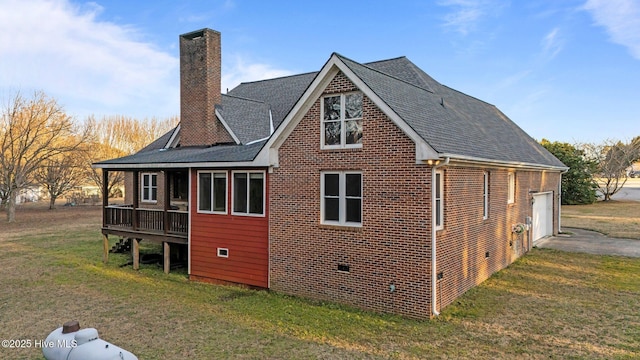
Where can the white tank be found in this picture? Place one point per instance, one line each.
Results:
(69, 342)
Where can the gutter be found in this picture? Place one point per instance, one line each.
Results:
(481, 162)
(434, 279)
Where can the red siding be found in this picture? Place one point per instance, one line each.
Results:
(246, 237)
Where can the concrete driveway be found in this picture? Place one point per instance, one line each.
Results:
(630, 190)
(591, 242)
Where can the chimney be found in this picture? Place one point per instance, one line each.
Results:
(200, 65)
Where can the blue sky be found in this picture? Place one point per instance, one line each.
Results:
(566, 70)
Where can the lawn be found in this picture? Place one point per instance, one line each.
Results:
(548, 304)
(613, 218)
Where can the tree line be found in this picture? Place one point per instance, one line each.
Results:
(42, 146)
(595, 170)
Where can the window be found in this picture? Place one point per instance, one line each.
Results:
(342, 121)
(149, 187)
(179, 187)
(341, 198)
(248, 193)
(439, 210)
(485, 195)
(511, 183)
(212, 192)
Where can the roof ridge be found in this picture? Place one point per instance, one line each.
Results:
(469, 96)
(385, 74)
(379, 61)
(277, 78)
(244, 98)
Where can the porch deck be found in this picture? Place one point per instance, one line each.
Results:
(149, 224)
(161, 226)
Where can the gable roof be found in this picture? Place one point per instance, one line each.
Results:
(452, 123)
(443, 122)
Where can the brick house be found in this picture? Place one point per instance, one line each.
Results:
(366, 184)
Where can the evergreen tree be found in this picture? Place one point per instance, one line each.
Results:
(578, 185)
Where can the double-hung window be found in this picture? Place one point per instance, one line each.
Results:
(511, 183)
(212, 192)
(485, 195)
(248, 193)
(341, 198)
(342, 121)
(149, 187)
(439, 204)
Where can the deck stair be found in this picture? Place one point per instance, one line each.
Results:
(122, 246)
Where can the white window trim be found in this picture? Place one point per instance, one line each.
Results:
(441, 198)
(264, 192)
(511, 187)
(221, 251)
(343, 136)
(143, 189)
(226, 191)
(485, 195)
(342, 199)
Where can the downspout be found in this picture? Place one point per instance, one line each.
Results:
(434, 276)
(560, 201)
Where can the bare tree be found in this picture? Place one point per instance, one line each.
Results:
(613, 158)
(60, 175)
(102, 152)
(32, 131)
(117, 136)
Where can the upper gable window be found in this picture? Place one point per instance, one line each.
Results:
(342, 121)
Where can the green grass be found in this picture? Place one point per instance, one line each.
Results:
(612, 218)
(548, 304)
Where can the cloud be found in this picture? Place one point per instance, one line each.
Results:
(89, 66)
(240, 70)
(621, 19)
(552, 44)
(468, 13)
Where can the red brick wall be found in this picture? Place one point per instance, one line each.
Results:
(463, 244)
(391, 247)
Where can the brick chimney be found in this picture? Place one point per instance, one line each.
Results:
(200, 67)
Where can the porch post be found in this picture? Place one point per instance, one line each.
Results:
(105, 196)
(167, 201)
(105, 248)
(135, 252)
(167, 256)
(136, 200)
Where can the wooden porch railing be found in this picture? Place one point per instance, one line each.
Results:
(151, 220)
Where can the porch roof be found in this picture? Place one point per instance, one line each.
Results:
(193, 156)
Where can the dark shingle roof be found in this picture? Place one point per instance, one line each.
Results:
(192, 154)
(280, 93)
(160, 142)
(249, 119)
(451, 122)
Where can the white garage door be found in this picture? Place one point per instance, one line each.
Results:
(542, 221)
